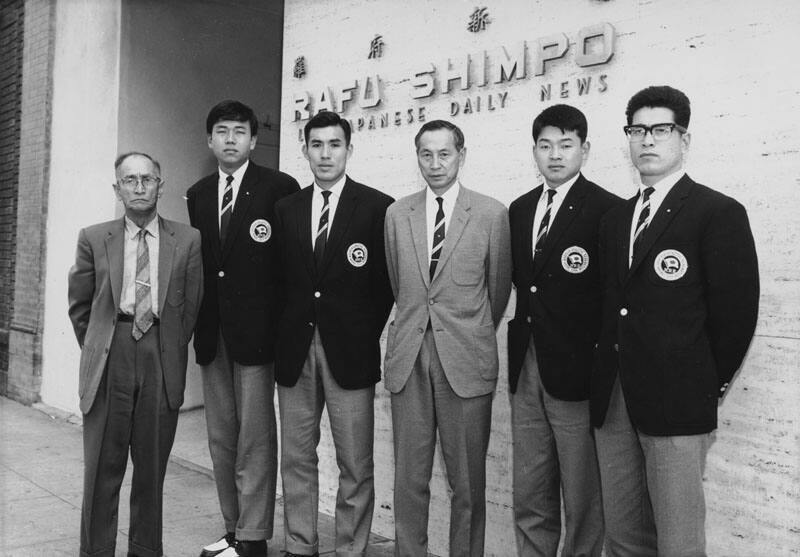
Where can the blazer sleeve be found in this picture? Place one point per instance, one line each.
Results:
(81, 284)
(390, 247)
(382, 288)
(731, 273)
(499, 268)
(194, 282)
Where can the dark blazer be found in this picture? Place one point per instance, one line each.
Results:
(95, 288)
(348, 299)
(677, 324)
(558, 298)
(240, 277)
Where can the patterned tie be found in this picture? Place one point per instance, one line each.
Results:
(227, 209)
(322, 230)
(438, 237)
(644, 219)
(541, 236)
(143, 308)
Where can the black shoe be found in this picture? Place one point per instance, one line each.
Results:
(290, 554)
(212, 549)
(251, 548)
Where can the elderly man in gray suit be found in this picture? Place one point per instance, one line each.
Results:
(449, 260)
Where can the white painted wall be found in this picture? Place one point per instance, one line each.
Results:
(735, 60)
(83, 148)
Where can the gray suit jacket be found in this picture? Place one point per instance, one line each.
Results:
(95, 287)
(466, 298)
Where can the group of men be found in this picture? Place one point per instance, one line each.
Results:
(631, 318)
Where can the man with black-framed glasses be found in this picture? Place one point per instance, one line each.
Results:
(134, 296)
(681, 301)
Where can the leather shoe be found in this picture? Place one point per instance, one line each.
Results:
(290, 554)
(214, 549)
(246, 548)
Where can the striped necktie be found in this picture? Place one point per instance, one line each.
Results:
(438, 237)
(226, 210)
(644, 219)
(541, 236)
(322, 230)
(143, 306)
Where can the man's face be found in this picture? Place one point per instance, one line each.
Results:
(559, 155)
(327, 154)
(231, 142)
(138, 186)
(439, 160)
(656, 159)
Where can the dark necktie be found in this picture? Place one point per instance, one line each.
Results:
(226, 210)
(322, 230)
(541, 236)
(438, 237)
(143, 306)
(644, 219)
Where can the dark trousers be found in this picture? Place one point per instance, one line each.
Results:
(129, 413)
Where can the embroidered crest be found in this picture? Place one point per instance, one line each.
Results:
(575, 259)
(260, 230)
(671, 264)
(357, 254)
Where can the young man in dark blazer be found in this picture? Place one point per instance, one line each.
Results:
(554, 244)
(336, 296)
(235, 335)
(680, 309)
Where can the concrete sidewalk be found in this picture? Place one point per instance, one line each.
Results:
(41, 479)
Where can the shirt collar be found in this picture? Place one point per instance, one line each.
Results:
(237, 174)
(665, 184)
(335, 189)
(449, 196)
(564, 188)
(132, 229)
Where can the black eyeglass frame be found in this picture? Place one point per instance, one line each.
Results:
(650, 129)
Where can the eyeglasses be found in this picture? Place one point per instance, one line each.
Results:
(659, 132)
(146, 181)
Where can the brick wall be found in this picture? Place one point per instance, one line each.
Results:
(11, 40)
(733, 61)
(24, 371)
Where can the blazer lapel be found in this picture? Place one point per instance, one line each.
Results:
(458, 221)
(341, 220)
(526, 231)
(670, 207)
(419, 233)
(115, 254)
(302, 210)
(570, 207)
(241, 207)
(166, 255)
(623, 238)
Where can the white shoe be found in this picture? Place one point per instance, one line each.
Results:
(218, 547)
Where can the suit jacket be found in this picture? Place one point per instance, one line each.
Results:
(95, 288)
(466, 298)
(677, 323)
(558, 291)
(348, 298)
(240, 276)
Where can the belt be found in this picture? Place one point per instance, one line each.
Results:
(128, 318)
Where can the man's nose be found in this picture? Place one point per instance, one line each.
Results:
(645, 140)
(229, 137)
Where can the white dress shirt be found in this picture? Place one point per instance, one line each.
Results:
(127, 301)
(432, 207)
(316, 206)
(541, 207)
(222, 182)
(661, 189)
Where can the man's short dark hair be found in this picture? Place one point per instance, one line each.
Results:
(661, 96)
(325, 119)
(434, 125)
(234, 111)
(564, 117)
(120, 159)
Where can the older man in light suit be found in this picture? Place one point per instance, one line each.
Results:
(134, 293)
(449, 260)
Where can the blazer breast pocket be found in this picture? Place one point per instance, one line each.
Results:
(466, 270)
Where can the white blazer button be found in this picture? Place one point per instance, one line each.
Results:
(317, 294)
(221, 274)
(623, 312)
(533, 289)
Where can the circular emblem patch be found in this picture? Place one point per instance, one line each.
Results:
(575, 260)
(357, 254)
(670, 264)
(260, 230)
